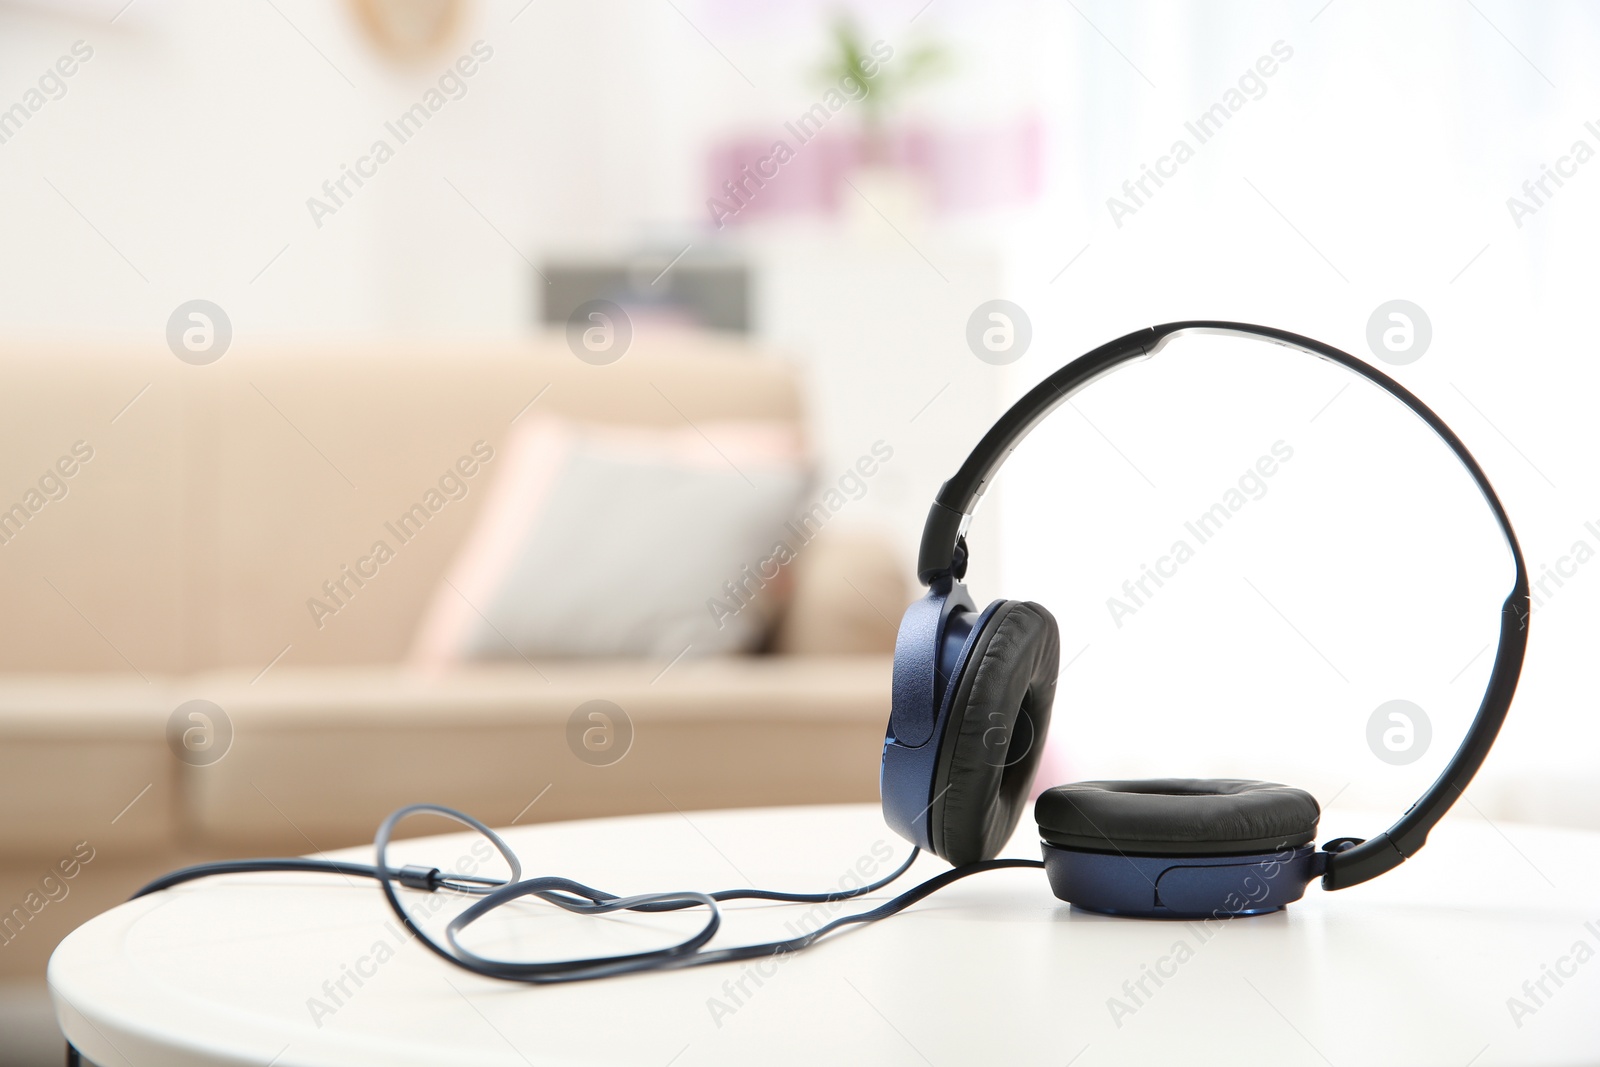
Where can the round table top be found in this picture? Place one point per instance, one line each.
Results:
(1483, 950)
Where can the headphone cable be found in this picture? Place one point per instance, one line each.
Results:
(494, 893)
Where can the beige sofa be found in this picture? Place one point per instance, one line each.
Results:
(206, 505)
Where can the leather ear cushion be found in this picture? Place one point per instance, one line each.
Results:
(995, 735)
(1177, 816)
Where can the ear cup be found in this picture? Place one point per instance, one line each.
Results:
(1177, 816)
(994, 737)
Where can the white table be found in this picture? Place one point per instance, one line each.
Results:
(1415, 968)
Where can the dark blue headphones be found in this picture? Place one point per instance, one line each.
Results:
(971, 706)
(972, 697)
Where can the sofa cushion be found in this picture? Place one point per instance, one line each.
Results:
(850, 589)
(95, 529)
(85, 759)
(321, 755)
(616, 541)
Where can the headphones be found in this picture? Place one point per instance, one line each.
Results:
(971, 704)
(973, 692)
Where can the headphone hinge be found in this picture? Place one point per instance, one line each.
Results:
(958, 564)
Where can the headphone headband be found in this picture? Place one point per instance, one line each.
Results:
(942, 557)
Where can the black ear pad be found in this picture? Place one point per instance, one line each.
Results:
(995, 735)
(1177, 816)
